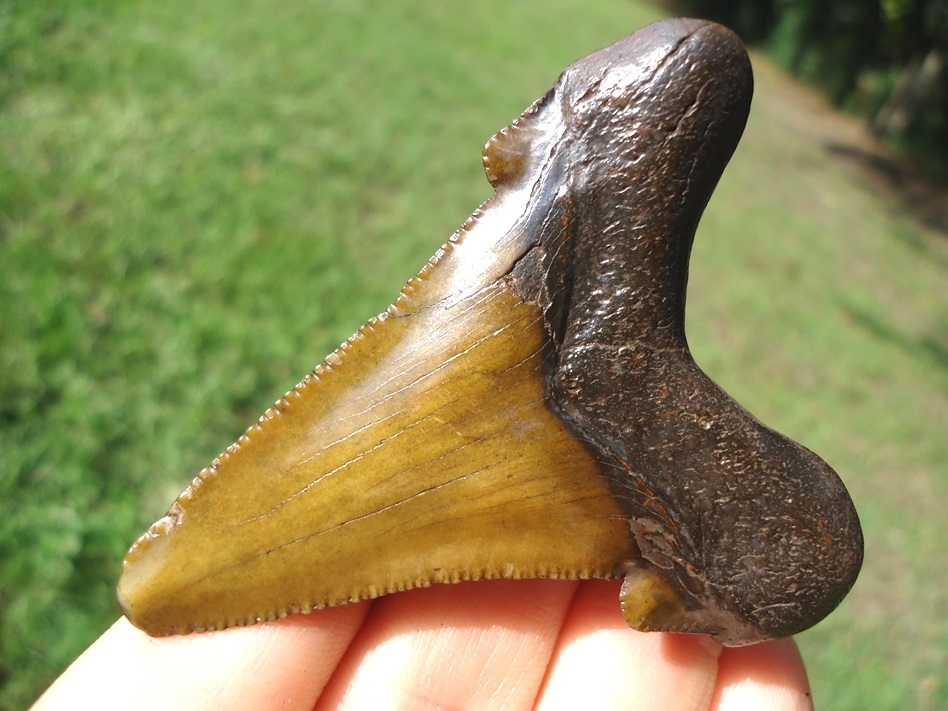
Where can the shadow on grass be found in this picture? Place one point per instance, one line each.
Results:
(919, 193)
(931, 346)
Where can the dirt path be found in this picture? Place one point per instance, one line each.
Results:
(807, 112)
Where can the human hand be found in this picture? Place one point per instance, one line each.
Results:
(498, 644)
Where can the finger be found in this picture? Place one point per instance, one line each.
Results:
(600, 663)
(763, 676)
(283, 664)
(482, 645)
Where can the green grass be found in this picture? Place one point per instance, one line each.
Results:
(199, 200)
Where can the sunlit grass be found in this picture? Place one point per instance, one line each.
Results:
(199, 200)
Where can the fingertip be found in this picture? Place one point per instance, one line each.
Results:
(770, 675)
(480, 644)
(283, 664)
(600, 662)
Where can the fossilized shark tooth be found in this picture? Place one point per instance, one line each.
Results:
(528, 406)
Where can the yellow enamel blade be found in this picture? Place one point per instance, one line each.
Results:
(421, 451)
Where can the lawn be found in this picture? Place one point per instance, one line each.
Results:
(199, 200)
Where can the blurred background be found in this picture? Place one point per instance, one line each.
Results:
(198, 201)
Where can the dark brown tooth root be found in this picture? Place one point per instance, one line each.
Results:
(743, 533)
